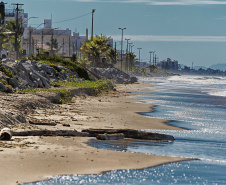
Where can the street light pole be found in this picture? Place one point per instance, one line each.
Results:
(121, 44)
(130, 45)
(150, 56)
(93, 10)
(126, 66)
(153, 57)
(131, 48)
(139, 54)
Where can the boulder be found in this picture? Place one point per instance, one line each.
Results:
(3, 88)
(13, 82)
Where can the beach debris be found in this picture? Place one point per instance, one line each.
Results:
(42, 123)
(51, 133)
(130, 133)
(5, 134)
(66, 125)
(105, 136)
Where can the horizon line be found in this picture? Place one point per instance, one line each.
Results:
(170, 38)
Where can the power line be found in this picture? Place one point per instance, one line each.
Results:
(73, 18)
(68, 19)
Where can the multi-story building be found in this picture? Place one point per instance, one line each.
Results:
(169, 64)
(37, 39)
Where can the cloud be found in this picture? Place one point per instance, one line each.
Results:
(165, 38)
(162, 2)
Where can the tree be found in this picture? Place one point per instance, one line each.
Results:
(54, 43)
(11, 26)
(131, 57)
(96, 49)
(112, 56)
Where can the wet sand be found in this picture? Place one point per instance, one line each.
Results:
(28, 159)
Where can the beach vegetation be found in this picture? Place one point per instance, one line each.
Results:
(11, 27)
(97, 50)
(97, 86)
(56, 60)
(6, 71)
(65, 95)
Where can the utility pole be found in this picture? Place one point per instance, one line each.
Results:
(42, 39)
(16, 30)
(30, 37)
(115, 54)
(93, 10)
(121, 44)
(63, 46)
(52, 42)
(69, 46)
(76, 49)
(126, 66)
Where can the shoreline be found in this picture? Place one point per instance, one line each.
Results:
(52, 156)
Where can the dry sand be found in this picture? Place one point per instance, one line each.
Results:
(27, 159)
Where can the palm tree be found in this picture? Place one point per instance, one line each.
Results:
(131, 56)
(96, 49)
(11, 26)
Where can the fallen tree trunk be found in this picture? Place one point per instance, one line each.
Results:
(100, 134)
(129, 133)
(110, 136)
(42, 123)
(51, 133)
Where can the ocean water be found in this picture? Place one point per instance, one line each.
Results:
(197, 103)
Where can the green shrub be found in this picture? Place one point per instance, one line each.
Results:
(55, 60)
(65, 94)
(6, 71)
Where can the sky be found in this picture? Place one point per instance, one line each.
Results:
(190, 31)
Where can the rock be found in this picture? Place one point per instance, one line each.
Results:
(5, 134)
(13, 82)
(9, 89)
(3, 88)
(33, 74)
(133, 79)
(113, 74)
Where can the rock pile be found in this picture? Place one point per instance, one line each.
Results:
(113, 74)
(32, 74)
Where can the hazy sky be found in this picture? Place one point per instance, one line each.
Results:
(184, 30)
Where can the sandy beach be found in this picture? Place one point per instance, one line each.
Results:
(28, 159)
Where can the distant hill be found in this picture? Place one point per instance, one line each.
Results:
(219, 66)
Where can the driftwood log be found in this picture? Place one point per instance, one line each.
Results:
(5, 134)
(130, 133)
(51, 133)
(42, 123)
(103, 134)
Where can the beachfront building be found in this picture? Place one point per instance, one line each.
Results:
(169, 64)
(49, 39)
